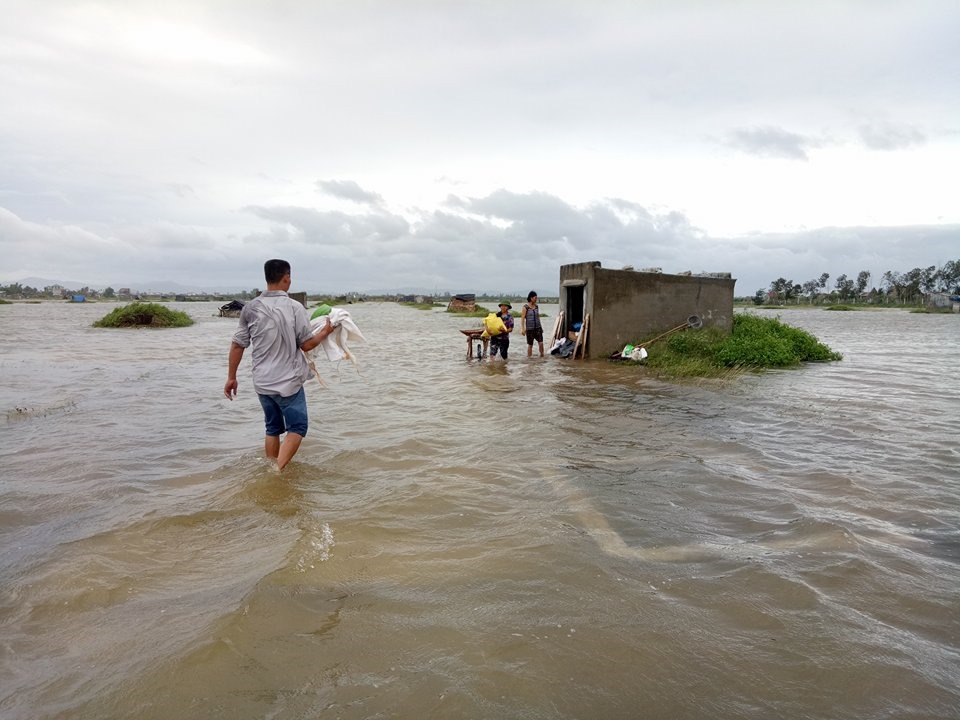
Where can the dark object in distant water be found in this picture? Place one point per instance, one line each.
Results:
(231, 309)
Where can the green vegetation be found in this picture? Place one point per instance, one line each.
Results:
(897, 289)
(144, 315)
(754, 344)
(419, 306)
(5, 302)
(841, 308)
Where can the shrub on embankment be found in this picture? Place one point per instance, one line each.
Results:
(144, 315)
(754, 344)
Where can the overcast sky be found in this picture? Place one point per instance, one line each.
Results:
(475, 146)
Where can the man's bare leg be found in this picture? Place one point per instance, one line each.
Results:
(288, 448)
(271, 446)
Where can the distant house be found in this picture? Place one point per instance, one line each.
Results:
(464, 302)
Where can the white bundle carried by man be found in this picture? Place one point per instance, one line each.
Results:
(336, 346)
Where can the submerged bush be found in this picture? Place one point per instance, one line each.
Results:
(144, 315)
(754, 343)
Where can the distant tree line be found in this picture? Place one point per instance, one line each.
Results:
(896, 288)
(26, 292)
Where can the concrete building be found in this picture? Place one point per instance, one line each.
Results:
(627, 305)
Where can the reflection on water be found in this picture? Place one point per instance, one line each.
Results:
(539, 539)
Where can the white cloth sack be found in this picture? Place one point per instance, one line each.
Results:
(336, 346)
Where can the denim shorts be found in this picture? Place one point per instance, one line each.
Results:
(285, 414)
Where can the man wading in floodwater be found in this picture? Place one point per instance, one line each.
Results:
(278, 328)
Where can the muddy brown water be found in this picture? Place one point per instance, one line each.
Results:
(540, 539)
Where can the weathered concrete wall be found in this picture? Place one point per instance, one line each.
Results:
(626, 306)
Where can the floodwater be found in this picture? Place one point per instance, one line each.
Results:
(541, 539)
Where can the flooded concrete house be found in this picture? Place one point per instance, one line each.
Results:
(625, 306)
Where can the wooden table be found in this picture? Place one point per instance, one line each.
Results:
(472, 336)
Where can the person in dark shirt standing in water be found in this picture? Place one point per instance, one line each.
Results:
(501, 343)
(278, 330)
(530, 323)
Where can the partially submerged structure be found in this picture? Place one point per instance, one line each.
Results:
(943, 301)
(463, 302)
(618, 307)
(231, 309)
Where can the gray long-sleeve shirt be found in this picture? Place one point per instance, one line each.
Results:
(275, 326)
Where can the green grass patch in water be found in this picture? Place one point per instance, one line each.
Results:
(419, 306)
(144, 315)
(754, 344)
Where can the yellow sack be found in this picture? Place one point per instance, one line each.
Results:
(493, 324)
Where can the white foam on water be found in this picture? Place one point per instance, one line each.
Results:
(318, 546)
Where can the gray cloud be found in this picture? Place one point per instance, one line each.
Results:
(181, 190)
(349, 190)
(504, 241)
(771, 142)
(886, 136)
(333, 227)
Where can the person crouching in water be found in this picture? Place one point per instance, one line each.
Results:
(501, 343)
(530, 323)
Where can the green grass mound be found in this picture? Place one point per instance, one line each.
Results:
(841, 308)
(144, 315)
(754, 344)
